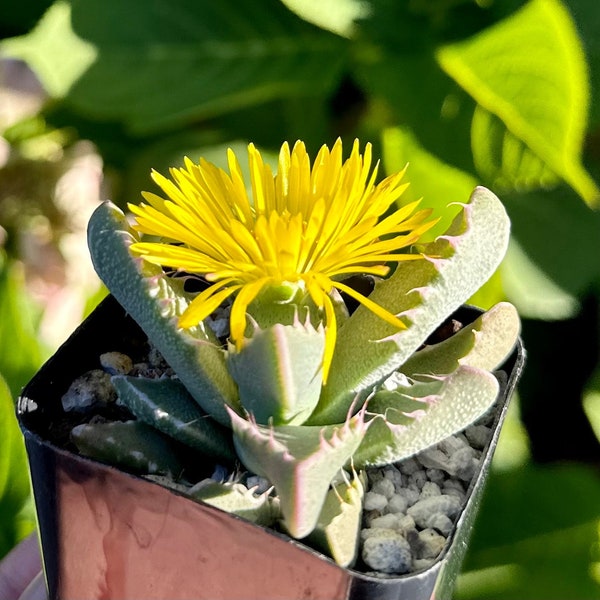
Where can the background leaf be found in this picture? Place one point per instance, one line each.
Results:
(566, 234)
(529, 71)
(504, 159)
(535, 549)
(217, 56)
(337, 16)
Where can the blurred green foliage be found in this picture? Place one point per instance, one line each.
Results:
(16, 506)
(504, 93)
(20, 356)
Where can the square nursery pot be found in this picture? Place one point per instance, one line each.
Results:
(107, 534)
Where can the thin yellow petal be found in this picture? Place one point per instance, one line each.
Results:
(237, 318)
(372, 306)
(321, 298)
(205, 303)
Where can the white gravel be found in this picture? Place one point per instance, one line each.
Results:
(411, 508)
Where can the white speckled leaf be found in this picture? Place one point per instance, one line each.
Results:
(484, 344)
(167, 405)
(450, 404)
(155, 302)
(279, 372)
(299, 461)
(237, 499)
(423, 293)
(130, 444)
(338, 530)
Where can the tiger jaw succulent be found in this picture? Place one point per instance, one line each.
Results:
(303, 393)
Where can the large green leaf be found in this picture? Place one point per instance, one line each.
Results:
(529, 71)
(504, 159)
(395, 46)
(167, 63)
(16, 518)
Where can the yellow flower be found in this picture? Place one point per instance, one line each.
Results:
(308, 227)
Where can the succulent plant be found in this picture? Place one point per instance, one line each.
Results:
(303, 391)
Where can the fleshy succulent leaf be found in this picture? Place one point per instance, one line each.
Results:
(421, 292)
(155, 302)
(299, 461)
(236, 498)
(166, 405)
(443, 406)
(130, 444)
(484, 344)
(338, 528)
(279, 372)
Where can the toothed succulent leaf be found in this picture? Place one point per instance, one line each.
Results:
(484, 344)
(299, 461)
(237, 499)
(279, 372)
(155, 302)
(338, 528)
(420, 414)
(166, 405)
(423, 293)
(130, 444)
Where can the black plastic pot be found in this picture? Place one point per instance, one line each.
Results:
(106, 534)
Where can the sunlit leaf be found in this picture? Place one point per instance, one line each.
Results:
(532, 291)
(334, 15)
(504, 159)
(53, 50)
(529, 71)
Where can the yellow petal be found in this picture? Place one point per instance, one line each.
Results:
(372, 306)
(205, 303)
